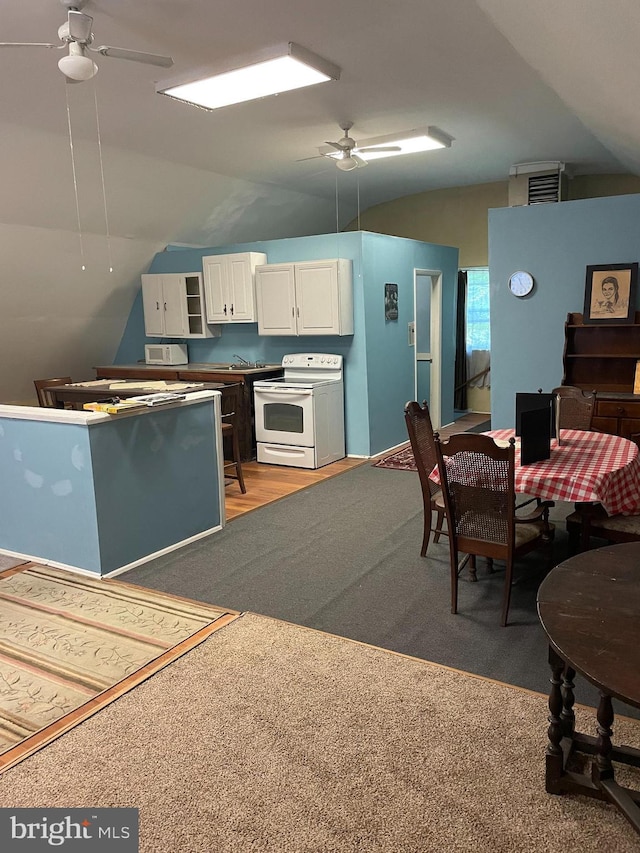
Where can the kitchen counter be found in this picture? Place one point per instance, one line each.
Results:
(99, 493)
(206, 372)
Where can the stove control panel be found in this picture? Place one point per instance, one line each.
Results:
(312, 360)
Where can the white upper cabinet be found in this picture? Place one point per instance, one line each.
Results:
(173, 306)
(306, 298)
(229, 284)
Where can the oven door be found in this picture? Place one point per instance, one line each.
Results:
(284, 415)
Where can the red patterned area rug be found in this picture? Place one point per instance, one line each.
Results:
(401, 460)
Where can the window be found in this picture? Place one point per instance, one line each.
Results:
(478, 335)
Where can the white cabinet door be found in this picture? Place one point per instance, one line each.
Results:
(276, 299)
(215, 288)
(306, 298)
(317, 298)
(153, 304)
(229, 282)
(175, 306)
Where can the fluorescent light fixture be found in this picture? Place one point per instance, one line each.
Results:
(277, 70)
(409, 142)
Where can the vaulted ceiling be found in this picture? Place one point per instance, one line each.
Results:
(510, 80)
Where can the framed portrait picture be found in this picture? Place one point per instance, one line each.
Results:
(610, 293)
(391, 301)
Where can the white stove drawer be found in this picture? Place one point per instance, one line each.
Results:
(279, 454)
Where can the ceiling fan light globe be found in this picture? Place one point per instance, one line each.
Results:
(77, 67)
(346, 164)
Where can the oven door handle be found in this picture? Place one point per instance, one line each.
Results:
(291, 392)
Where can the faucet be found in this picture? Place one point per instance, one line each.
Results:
(242, 360)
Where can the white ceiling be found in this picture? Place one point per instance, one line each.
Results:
(511, 80)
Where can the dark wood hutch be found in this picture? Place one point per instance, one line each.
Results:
(603, 358)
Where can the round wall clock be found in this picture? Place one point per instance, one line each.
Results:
(521, 283)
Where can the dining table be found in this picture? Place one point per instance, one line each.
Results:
(588, 608)
(584, 467)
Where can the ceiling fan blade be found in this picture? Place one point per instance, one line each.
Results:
(80, 26)
(134, 55)
(335, 145)
(315, 157)
(380, 148)
(359, 160)
(30, 44)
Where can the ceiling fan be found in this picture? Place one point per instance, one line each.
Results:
(76, 34)
(350, 155)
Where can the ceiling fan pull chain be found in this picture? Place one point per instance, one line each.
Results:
(104, 194)
(75, 180)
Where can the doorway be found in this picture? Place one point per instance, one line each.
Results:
(427, 326)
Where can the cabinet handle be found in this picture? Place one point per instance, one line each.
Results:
(225, 308)
(620, 410)
(232, 309)
(157, 306)
(298, 311)
(165, 306)
(293, 311)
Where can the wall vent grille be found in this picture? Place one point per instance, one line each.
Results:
(537, 183)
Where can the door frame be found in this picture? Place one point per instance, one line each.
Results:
(435, 353)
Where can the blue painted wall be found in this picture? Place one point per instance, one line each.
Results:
(390, 369)
(378, 363)
(555, 243)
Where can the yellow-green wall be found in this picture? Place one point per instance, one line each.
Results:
(458, 216)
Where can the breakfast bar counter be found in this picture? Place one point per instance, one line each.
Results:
(101, 493)
(243, 375)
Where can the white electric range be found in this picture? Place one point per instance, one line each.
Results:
(300, 416)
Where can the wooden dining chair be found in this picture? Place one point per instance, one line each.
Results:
(44, 397)
(576, 407)
(477, 478)
(593, 521)
(231, 448)
(420, 432)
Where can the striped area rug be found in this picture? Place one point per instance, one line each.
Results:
(69, 644)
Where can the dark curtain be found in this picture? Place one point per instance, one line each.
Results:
(460, 395)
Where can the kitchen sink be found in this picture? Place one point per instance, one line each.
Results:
(254, 365)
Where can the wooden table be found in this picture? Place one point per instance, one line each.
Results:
(79, 393)
(206, 372)
(589, 608)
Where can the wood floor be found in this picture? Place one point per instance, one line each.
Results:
(268, 483)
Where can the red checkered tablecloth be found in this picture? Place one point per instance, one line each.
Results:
(585, 466)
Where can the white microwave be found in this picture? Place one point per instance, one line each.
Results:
(166, 354)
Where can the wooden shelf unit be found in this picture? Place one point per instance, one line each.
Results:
(603, 358)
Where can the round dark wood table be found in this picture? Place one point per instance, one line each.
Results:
(589, 607)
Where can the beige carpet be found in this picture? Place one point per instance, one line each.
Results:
(66, 639)
(272, 737)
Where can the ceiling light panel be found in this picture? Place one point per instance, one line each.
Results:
(293, 67)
